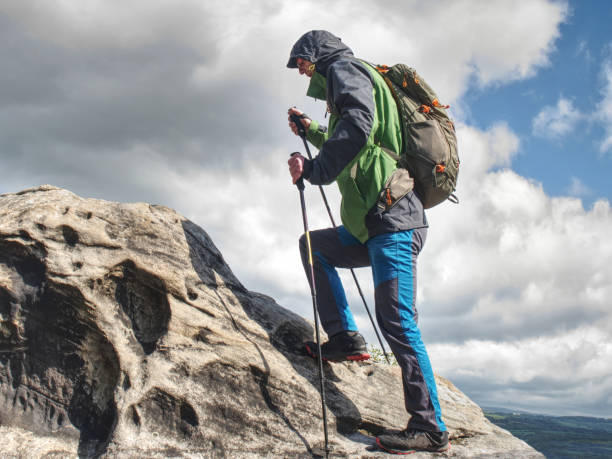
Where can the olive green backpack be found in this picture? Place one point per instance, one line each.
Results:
(429, 150)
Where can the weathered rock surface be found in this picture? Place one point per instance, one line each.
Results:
(123, 333)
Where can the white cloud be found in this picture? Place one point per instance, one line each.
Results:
(475, 43)
(481, 151)
(583, 50)
(604, 108)
(555, 122)
(515, 286)
(509, 249)
(559, 121)
(577, 188)
(573, 366)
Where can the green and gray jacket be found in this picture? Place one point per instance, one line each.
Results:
(363, 117)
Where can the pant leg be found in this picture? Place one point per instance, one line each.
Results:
(393, 257)
(332, 248)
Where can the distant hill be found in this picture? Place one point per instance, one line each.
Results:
(557, 437)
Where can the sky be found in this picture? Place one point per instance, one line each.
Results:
(184, 103)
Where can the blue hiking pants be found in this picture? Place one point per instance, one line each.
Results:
(393, 258)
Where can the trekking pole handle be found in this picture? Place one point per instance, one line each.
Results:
(297, 119)
(300, 182)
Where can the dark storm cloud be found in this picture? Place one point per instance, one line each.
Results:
(110, 81)
(542, 394)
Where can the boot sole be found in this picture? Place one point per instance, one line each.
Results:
(411, 451)
(353, 357)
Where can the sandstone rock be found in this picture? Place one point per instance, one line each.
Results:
(123, 333)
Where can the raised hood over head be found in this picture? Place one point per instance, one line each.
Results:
(319, 47)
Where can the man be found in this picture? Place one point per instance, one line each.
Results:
(386, 236)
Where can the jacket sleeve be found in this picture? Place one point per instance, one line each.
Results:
(317, 134)
(351, 96)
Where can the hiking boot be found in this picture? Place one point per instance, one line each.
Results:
(346, 345)
(408, 441)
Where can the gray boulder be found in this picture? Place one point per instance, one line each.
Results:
(123, 333)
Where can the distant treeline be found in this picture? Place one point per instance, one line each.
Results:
(561, 437)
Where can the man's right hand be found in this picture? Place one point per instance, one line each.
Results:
(296, 166)
(305, 121)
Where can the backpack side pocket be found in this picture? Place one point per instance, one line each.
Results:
(398, 185)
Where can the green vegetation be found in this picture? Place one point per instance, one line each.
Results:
(378, 356)
(559, 437)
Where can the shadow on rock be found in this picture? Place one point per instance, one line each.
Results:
(286, 334)
(63, 377)
(143, 297)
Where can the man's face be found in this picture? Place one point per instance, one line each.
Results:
(305, 67)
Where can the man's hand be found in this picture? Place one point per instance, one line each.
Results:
(296, 166)
(305, 121)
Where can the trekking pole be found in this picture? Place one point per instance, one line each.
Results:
(302, 132)
(313, 292)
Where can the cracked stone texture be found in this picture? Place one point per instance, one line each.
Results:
(124, 333)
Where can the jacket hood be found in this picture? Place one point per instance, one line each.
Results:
(319, 47)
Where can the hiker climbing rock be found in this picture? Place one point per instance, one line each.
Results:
(383, 224)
